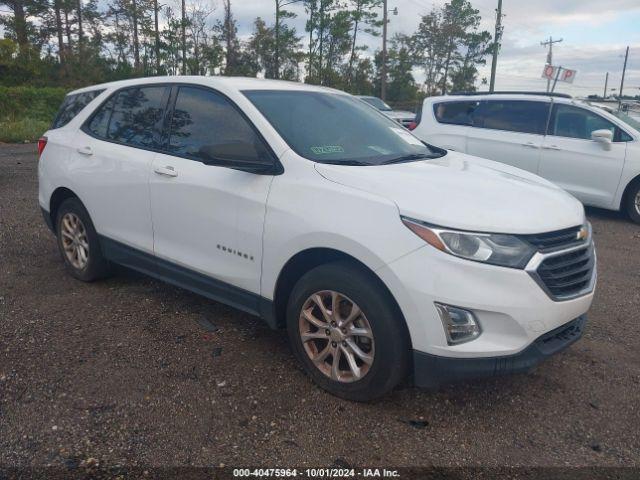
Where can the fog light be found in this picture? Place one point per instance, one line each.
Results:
(460, 325)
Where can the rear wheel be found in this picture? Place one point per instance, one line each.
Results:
(78, 242)
(632, 205)
(347, 332)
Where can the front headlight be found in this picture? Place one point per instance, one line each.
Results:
(493, 248)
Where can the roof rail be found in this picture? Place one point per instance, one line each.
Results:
(543, 94)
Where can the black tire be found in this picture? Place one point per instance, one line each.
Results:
(391, 355)
(96, 266)
(630, 201)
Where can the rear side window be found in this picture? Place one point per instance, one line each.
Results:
(136, 116)
(206, 125)
(99, 123)
(512, 115)
(72, 105)
(455, 113)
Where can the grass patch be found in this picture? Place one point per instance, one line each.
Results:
(27, 112)
(22, 130)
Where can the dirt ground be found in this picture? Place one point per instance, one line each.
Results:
(121, 371)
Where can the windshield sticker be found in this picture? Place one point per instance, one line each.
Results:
(380, 150)
(406, 136)
(327, 149)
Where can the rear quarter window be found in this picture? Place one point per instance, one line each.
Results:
(455, 113)
(72, 106)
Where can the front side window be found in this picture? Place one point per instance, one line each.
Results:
(455, 113)
(512, 115)
(575, 122)
(136, 117)
(72, 106)
(335, 128)
(205, 126)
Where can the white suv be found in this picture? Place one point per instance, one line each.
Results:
(591, 153)
(383, 257)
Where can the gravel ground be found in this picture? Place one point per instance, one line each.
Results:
(121, 372)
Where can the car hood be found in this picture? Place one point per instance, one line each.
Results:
(467, 193)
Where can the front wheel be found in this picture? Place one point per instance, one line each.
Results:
(633, 202)
(347, 332)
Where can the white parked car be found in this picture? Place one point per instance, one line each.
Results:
(383, 257)
(403, 117)
(587, 151)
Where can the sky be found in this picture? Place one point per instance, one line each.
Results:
(595, 34)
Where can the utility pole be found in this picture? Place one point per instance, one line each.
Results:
(606, 84)
(550, 43)
(383, 69)
(624, 71)
(496, 46)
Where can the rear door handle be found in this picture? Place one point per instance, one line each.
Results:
(85, 151)
(551, 147)
(167, 171)
(530, 145)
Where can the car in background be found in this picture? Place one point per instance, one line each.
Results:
(403, 117)
(589, 152)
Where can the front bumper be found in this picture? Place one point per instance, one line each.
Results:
(431, 371)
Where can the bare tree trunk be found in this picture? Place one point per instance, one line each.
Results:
(277, 49)
(67, 27)
(353, 43)
(157, 36)
(310, 68)
(61, 52)
(136, 42)
(20, 24)
(80, 32)
(184, 40)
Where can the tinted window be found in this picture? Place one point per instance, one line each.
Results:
(206, 126)
(454, 113)
(72, 105)
(100, 121)
(136, 116)
(513, 116)
(576, 122)
(335, 128)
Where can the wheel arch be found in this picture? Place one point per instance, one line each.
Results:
(58, 196)
(627, 190)
(304, 261)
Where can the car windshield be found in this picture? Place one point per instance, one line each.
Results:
(376, 102)
(336, 128)
(632, 122)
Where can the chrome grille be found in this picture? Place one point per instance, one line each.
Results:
(555, 240)
(566, 274)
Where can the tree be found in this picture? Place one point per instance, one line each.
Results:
(363, 14)
(448, 44)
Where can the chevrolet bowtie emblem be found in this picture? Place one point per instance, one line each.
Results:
(582, 234)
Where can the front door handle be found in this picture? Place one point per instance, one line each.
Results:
(530, 145)
(167, 171)
(85, 151)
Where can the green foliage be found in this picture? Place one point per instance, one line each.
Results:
(22, 130)
(71, 43)
(30, 102)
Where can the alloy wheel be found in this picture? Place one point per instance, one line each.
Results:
(74, 240)
(336, 336)
(637, 202)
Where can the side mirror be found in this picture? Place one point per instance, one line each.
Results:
(238, 156)
(604, 137)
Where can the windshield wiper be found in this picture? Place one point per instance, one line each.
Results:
(349, 163)
(408, 158)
